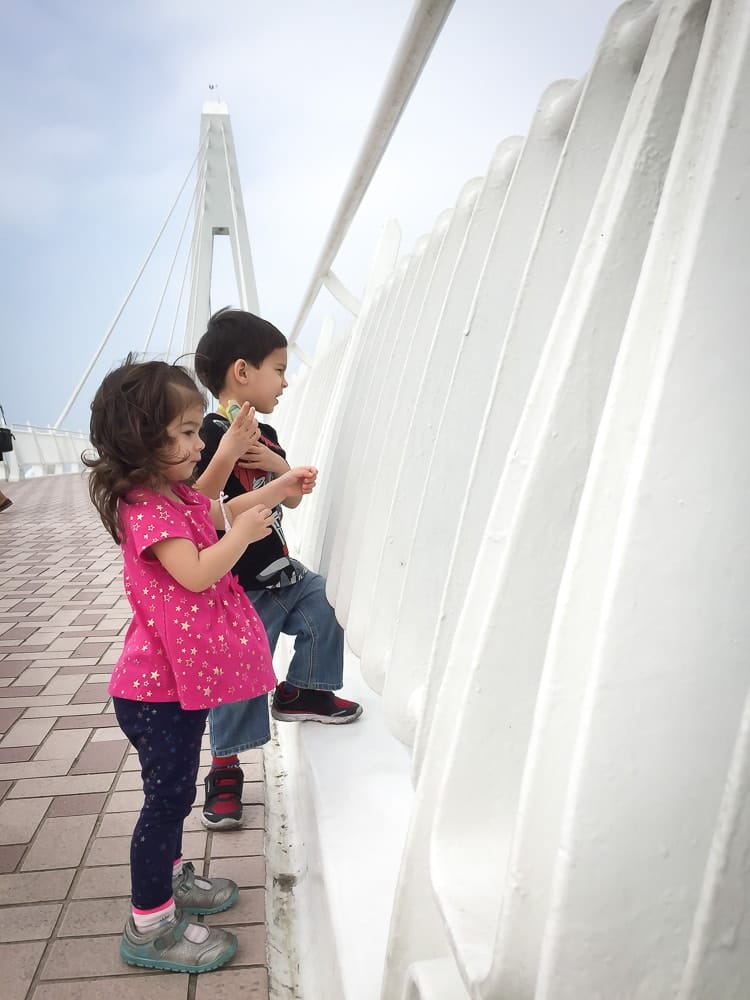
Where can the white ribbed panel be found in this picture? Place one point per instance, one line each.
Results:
(533, 519)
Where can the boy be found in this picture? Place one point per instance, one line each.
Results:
(243, 358)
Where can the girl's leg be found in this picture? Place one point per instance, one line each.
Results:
(168, 741)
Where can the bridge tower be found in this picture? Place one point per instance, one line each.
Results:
(219, 212)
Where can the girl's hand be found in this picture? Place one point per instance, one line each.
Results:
(243, 433)
(298, 482)
(254, 524)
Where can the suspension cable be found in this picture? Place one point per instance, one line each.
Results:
(108, 334)
(189, 263)
(188, 214)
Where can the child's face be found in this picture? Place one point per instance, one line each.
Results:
(186, 445)
(264, 385)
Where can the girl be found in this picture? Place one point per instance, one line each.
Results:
(194, 641)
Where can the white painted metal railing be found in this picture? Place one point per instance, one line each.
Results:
(531, 514)
(43, 451)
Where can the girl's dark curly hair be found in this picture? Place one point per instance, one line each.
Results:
(130, 414)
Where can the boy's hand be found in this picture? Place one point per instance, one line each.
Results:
(258, 456)
(300, 481)
(254, 523)
(243, 433)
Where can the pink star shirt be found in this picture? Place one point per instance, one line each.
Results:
(201, 650)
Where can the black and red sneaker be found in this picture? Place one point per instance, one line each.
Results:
(223, 806)
(293, 704)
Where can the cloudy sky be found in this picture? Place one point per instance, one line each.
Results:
(100, 119)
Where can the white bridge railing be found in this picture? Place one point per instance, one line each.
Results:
(532, 515)
(42, 451)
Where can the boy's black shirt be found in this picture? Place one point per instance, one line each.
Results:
(266, 564)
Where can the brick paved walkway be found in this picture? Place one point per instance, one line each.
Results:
(70, 788)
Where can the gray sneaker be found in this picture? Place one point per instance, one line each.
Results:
(166, 947)
(203, 895)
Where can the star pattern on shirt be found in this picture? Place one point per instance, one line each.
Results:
(212, 648)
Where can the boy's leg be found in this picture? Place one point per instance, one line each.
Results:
(241, 725)
(317, 666)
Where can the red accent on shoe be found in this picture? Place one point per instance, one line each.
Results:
(232, 761)
(223, 807)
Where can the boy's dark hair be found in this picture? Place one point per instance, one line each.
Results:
(130, 414)
(231, 335)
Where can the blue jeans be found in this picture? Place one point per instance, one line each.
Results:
(301, 610)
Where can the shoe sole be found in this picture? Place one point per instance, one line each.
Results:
(326, 720)
(226, 823)
(197, 911)
(155, 963)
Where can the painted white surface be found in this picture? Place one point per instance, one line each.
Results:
(43, 451)
(352, 799)
(534, 475)
(219, 212)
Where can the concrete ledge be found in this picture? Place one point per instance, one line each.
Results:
(345, 795)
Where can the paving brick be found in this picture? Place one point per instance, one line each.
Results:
(93, 649)
(251, 944)
(100, 758)
(63, 685)
(125, 802)
(60, 843)
(232, 843)
(12, 668)
(246, 872)
(78, 721)
(116, 850)
(129, 781)
(63, 744)
(35, 887)
(69, 785)
(250, 908)
(15, 691)
(28, 923)
(10, 855)
(8, 716)
(27, 732)
(12, 755)
(168, 986)
(94, 916)
(36, 769)
(230, 984)
(89, 693)
(36, 675)
(19, 962)
(78, 805)
(19, 821)
(66, 959)
(98, 883)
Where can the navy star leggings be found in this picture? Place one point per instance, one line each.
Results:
(168, 741)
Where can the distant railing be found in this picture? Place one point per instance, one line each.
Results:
(532, 516)
(42, 451)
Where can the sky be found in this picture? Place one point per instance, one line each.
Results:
(100, 120)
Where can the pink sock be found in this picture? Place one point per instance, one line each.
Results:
(147, 920)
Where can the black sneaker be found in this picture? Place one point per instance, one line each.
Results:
(223, 807)
(292, 704)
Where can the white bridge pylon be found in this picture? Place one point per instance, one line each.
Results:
(219, 212)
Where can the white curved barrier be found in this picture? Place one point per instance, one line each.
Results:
(43, 451)
(534, 474)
